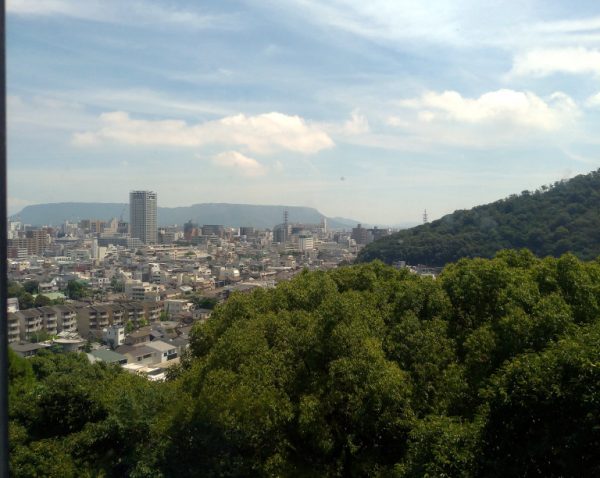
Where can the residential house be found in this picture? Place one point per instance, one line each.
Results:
(107, 356)
(138, 336)
(139, 354)
(27, 349)
(167, 351)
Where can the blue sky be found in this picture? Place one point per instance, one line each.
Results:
(369, 110)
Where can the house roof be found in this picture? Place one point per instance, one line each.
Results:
(135, 350)
(64, 309)
(26, 347)
(141, 349)
(29, 313)
(141, 332)
(108, 356)
(179, 341)
(47, 310)
(160, 346)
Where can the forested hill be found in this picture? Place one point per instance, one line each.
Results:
(563, 217)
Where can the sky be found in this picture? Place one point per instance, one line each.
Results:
(373, 110)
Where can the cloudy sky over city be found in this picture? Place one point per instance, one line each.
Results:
(368, 110)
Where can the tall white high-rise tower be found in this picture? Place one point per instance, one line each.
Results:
(142, 216)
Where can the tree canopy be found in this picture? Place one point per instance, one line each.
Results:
(489, 370)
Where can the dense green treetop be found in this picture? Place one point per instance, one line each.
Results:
(492, 369)
(564, 217)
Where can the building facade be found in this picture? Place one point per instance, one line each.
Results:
(142, 216)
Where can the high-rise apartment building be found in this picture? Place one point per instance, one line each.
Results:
(142, 216)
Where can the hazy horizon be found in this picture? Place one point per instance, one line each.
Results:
(370, 111)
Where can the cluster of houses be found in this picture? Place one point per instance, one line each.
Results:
(130, 334)
(132, 290)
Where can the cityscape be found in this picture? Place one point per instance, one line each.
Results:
(301, 238)
(130, 292)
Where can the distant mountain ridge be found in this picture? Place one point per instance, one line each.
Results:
(563, 217)
(233, 215)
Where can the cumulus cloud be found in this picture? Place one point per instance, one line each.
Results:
(548, 61)
(240, 163)
(502, 118)
(506, 106)
(265, 133)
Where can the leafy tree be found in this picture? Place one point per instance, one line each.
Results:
(41, 301)
(77, 290)
(117, 285)
(542, 412)
(14, 289)
(31, 286)
(204, 302)
(26, 301)
(488, 370)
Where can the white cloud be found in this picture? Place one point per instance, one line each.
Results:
(39, 113)
(497, 119)
(593, 101)
(577, 25)
(357, 124)
(506, 106)
(265, 133)
(117, 11)
(242, 164)
(461, 23)
(545, 62)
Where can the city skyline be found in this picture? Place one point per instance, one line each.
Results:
(374, 112)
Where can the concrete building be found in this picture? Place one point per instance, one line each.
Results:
(49, 319)
(13, 328)
(31, 321)
(66, 318)
(139, 354)
(213, 229)
(306, 243)
(114, 336)
(142, 216)
(176, 306)
(166, 351)
(12, 304)
(361, 235)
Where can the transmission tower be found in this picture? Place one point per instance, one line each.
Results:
(425, 219)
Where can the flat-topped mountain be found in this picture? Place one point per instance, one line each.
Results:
(233, 215)
(563, 217)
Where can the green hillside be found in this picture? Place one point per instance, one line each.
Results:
(563, 217)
